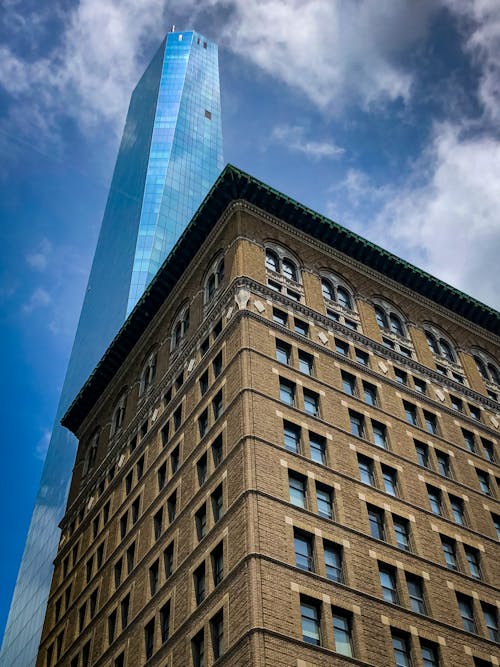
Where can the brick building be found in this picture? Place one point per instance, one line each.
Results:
(288, 456)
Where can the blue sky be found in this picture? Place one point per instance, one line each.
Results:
(383, 115)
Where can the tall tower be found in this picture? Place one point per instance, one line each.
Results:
(170, 154)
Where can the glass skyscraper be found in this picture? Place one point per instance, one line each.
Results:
(170, 154)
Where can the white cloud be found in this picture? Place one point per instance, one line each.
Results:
(43, 445)
(39, 258)
(294, 138)
(444, 219)
(39, 298)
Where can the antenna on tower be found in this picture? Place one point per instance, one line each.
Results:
(173, 28)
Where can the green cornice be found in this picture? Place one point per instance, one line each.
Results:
(234, 184)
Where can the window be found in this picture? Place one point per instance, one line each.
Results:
(466, 612)
(456, 403)
(376, 521)
(199, 583)
(165, 434)
(130, 557)
(217, 503)
(487, 369)
(410, 413)
(475, 412)
(489, 450)
(333, 561)
(349, 384)
(430, 422)
(449, 552)
(306, 363)
(430, 654)
(165, 622)
(402, 531)
(216, 448)
(111, 626)
(341, 347)
(81, 616)
(387, 576)
(203, 383)
(217, 405)
(216, 272)
(124, 610)
(379, 434)
(401, 649)
(366, 474)
(178, 417)
(287, 392)
(154, 572)
(180, 328)
(119, 414)
(303, 545)
(135, 509)
(420, 386)
(119, 661)
(217, 632)
(217, 558)
(200, 519)
(401, 376)
(361, 357)
(149, 638)
(203, 423)
(439, 346)
(301, 327)
(310, 615)
(342, 631)
(370, 393)
(297, 487)
(443, 461)
(472, 556)
(172, 506)
(491, 621)
(390, 477)
(174, 459)
(217, 365)
(484, 482)
(201, 469)
(496, 522)
(198, 649)
(357, 424)
(283, 352)
(422, 451)
(469, 440)
(435, 500)
(291, 436)
(158, 524)
(457, 510)
(324, 498)
(317, 447)
(280, 317)
(148, 374)
(168, 560)
(311, 402)
(416, 593)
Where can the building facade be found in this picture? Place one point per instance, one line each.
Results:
(288, 456)
(170, 154)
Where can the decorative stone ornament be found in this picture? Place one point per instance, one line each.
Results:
(242, 297)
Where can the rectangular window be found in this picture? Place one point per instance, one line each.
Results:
(123, 525)
(149, 638)
(311, 402)
(287, 392)
(317, 447)
(365, 466)
(119, 661)
(443, 461)
(357, 424)
(310, 616)
(376, 521)
(416, 593)
(201, 469)
(165, 434)
(410, 413)
(401, 649)
(349, 384)
(168, 560)
(449, 552)
(333, 561)
(430, 422)
(280, 317)
(387, 576)
(178, 418)
(390, 476)
(154, 573)
(203, 383)
(217, 405)
(217, 558)
(158, 523)
(174, 459)
(401, 376)
(291, 436)
(283, 352)
(162, 476)
(82, 611)
(324, 498)
(422, 451)
(172, 506)
(297, 487)
(135, 509)
(217, 451)
(361, 357)
(200, 519)
(301, 327)
(217, 328)
(130, 558)
(217, 365)
(198, 649)
(341, 347)
(124, 610)
(475, 412)
(140, 468)
(430, 654)
(466, 612)
(306, 363)
(217, 500)
(379, 434)
(489, 450)
(203, 423)
(303, 545)
(86, 654)
(342, 631)
(199, 583)
(484, 482)
(435, 500)
(370, 393)
(217, 632)
(496, 522)
(456, 403)
(469, 439)
(420, 386)
(388, 343)
(472, 556)
(402, 531)
(165, 622)
(491, 621)
(111, 627)
(457, 510)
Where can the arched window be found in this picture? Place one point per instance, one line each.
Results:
(487, 367)
(432, 342)
(446, 350)
(180, 328)
(91, 454)
(494, 374)
(272, 261)
(381, 318)
(148, 374)
(481, 367)
(214, 278)
(279, 260)
(289, 270)
(344, 298)
(119, 414)
(392, 323)
(439, 345)
(327, 289)
(396, 325)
